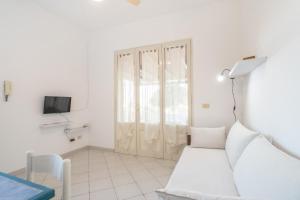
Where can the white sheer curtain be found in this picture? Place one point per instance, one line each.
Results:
(149, 87)
(126, 88)
(176, 99)
(176, 86)
(126, 104)
(150, 142)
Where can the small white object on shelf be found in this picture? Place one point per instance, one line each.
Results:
(246, 66)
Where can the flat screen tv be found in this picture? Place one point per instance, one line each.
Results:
(54, 104)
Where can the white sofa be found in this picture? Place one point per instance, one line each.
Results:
(248, 168)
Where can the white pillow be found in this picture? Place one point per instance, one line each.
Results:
(208, 137)
(238, 138)
(265, 171)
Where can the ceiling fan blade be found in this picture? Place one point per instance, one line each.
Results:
(134, 2)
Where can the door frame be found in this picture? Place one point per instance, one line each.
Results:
(135, 51)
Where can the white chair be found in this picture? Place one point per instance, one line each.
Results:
(51, 164)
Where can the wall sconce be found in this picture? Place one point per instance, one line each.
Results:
(241, 68)
(223, 75)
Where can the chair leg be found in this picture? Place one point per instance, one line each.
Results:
(29, 176)
(66, 180)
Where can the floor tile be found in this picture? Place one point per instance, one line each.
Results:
(127, 191)
(151, 196)
(79, 178)
(95, 175)
(118, 171)
(160, 171)
(122, 179)
(97, 161)
(97, 167)
(79, 163)
(151, 165)
(103, 195)
(81, 197)
(163, 180)
(135, 167)
(141, 197)
(141, 175)
(79, 169)
(79, 159)
(148, 186)
(168, 163)
(80, 189)
(100, 184)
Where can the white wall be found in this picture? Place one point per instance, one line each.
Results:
(41, 55)
(214, 30)
(272, 94)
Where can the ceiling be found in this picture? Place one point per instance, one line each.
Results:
(90, 14)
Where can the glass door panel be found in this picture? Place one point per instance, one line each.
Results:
(126, 103)
(176, 99)
(150, 137)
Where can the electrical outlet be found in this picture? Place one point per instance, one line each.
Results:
(205, 106)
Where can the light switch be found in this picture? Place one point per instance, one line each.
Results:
(205, 106)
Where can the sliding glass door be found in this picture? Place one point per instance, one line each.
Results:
(153, 100)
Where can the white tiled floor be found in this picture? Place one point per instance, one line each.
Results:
(103, 175)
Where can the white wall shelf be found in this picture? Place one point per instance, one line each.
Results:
(54, 124)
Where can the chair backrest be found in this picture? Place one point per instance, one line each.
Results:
(51, 164)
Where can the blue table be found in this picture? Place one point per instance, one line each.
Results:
(13, 188)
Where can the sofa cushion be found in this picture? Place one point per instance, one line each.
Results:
(265, 171)
(204, 170)
(238, 138)
(208, 137)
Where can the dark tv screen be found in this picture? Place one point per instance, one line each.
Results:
(54, 104)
